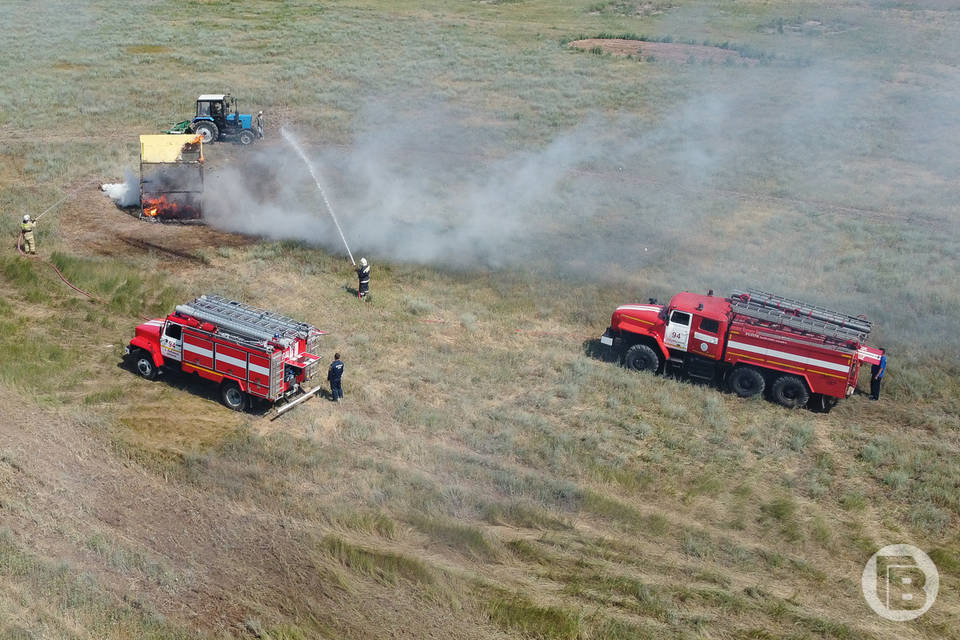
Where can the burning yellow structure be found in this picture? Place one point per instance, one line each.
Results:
(171, 176)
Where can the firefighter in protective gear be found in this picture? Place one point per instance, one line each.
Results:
(26, 228)
(363, 273)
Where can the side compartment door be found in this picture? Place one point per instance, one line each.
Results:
(198, 350)
(677, 333)
(171, 341)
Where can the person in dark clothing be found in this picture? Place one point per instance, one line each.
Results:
(876, 375)
(334, 375)
(363, 273)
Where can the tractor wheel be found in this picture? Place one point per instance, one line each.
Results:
(144, 365)
(233, 397)
(246, 137)
(790, 391)
(746, 382)
(640, 357)
(207, 130)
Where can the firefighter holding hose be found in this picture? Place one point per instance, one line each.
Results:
(26, 229)
(363, 274)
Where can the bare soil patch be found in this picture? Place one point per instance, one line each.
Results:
(92, 221)
(668, 51)
(148, 48)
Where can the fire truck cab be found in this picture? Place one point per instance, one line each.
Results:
(250, 352)
(751, 342)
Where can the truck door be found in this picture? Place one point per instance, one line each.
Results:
(171, 341)
(677, 333)
(706, 337)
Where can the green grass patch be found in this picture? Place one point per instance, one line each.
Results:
(521, 515)
(462, 537)
(124, 288)
(514, 612)
(384, 566)
(376, 523)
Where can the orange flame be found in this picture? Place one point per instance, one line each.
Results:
(153, 207)
(194, 145)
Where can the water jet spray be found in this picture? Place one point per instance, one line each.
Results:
(323, 194)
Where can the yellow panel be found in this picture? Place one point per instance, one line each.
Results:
(166, 147)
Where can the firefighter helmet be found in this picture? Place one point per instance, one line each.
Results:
(26, 218)
(363, 262)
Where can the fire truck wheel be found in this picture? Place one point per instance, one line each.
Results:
(790, 391)
(233, 397)
(208, 130)
(746, 382)
(821, 403)
(145, 366)
(246, 137)
(640, 357)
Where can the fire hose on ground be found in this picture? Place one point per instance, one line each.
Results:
(54, 266)
(59, 273)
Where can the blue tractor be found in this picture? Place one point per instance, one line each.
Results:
(214, 120)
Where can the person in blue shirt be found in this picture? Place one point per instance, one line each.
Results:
(876, 375)
(334, 375)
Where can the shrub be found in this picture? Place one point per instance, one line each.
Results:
(929, 519)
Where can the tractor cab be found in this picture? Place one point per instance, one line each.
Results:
(214, 120)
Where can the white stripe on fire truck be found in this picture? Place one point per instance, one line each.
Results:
(638, 307)
(255, 368)
(237, 362)
(833, 366)
(197, 349)
(705, 337)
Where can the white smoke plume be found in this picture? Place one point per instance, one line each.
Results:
(417, 190)
(770, 181)
(126, 193)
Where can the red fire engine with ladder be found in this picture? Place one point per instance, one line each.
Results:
(252, 353)
(750, 342)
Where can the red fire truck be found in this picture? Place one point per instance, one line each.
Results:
(252, 353)
(750, 342)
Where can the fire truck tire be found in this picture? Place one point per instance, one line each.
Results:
(208, 130)
(232, 396)
(641, 357)
(790, 391)
(143, 362)
(821, 403)
(246, 137)
(746, 382)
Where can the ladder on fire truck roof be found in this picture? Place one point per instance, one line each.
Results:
(799, 315)
(244, 320)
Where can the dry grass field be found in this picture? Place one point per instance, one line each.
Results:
(487, 476)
